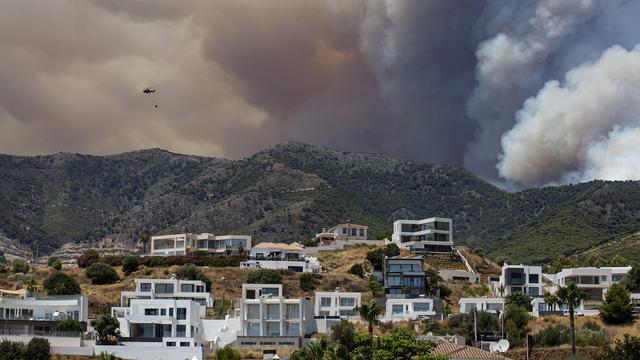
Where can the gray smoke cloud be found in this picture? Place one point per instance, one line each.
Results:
(429, 81)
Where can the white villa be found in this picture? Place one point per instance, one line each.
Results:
(171, 288)
(281, 256)
(489, 304)
(181, 244)
(409, 309)
(523, 279)
(433, 235)
(269, 318)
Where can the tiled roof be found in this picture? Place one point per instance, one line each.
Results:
(354, 226)
(460, 352)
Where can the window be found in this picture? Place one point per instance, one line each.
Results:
(325, 301)
(616, 277)
(253, 329)
(181, 330)
(354, 232)
(184, 343)
(251, 294)
(347, 313)
(186, 287)
(494, 306)
(164, 288)
(397, 309)
(421, 307)
(292, 311)
(180, 244)
(171, 343)
(181, 313)
(325, 313)
(347, 302)
(534, 291)
(344, 231)
(163, 312)
(292, 329)
(471, 307)
(150, 312)
(361, 232)
(170, 311)
(273, 311)
(199, 288)
(439, 225)
(273, 328)
(271, 291)
(145, 287)
(253, 311)
(533, 278)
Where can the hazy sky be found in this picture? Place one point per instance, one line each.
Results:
(521, 92)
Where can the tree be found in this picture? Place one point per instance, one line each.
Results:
(400, 344)
(60, 283)
(38, 349)
(106, 328)
(130, 264)
(88, 258)
(309, 281)
(374, 286)
(100, 273)
(20, 266)
(343, 334)
(10, 350)
(626, 349)
(145, 238)
(375, 256)
(69, 325)
(572, 296)
(31, 285)
(616, 307)
(391, 250)
(433, 280)
(551, 300)
(264, 276)
(617, 260)
(561, 262)
(227, 353)
(357, 270)
(501, 290)
(519, 299)
(56, 264)
(192, 272)
(516, 323)
(370, 312)
(632, 279)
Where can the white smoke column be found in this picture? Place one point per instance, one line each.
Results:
(512, 65)
(582, 129)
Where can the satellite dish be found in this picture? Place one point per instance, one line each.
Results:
(503, 345)
(493, 347)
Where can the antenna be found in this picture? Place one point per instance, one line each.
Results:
(502, 345)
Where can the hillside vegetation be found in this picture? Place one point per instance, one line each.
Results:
(290, 191)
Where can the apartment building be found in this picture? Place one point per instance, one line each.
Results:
(523, 279)
(409, 309)
(281, 256)
(404, 276)
(172, 288)
(181, 244)
(433, 235)
(25, 314)
(487, 304)
(269, 319)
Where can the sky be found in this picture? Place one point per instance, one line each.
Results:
(520, 93)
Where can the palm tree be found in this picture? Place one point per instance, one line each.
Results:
(501, 290)
(144, 240)
(572, 296)
(370, 312)
(551, 300)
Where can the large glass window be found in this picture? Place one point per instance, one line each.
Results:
(273, 328)
(253, 329)
(292, 311)
(292, 329)
(253, 311)
(533, 278)
(362, 232)
(181, 330)
(421, 307)
(440, 225)
(181, 313)
(186, 287)
(271, 291)
(348, 302)
(161, 244)
(150, 312)
(164, 288)
(145, 287)
(273, 311)
(494, 306)
(325, 301)
(397, 309)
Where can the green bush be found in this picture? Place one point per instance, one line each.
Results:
(38, 349)
(106, 328)
(444, 291)
(192, 272)
(69, 325)
(625, 349)
(60, 283)
(375, 256)
(343, 333)
(130, 264)
(516, 324)
(10, 350)
(20, 266)
(88, 258)
(309, 281)
(357, 270)
(227, 353)
(56, 264)
(374, 286)
(552, 336)
(264, 276)
(100, 273)
(211, 261)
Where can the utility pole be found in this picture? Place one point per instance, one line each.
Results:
(475, 325)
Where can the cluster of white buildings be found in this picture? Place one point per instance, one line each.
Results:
(531, 281)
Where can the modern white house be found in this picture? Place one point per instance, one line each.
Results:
(181, 244)
(487, 304)
(281, 256)
(268, 318)
(523, 279)
(404, 276)
(171, 288)
(409, 309)
(24, 316)
(433, 235)
(332, 306)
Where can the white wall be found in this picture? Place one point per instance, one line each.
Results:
(144, 351)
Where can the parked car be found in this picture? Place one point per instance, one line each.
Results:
(575, 313)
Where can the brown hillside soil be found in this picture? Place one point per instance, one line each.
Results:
(614, 331)
(557, 353)
(479, 263)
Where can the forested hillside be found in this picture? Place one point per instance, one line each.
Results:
(289, 192)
